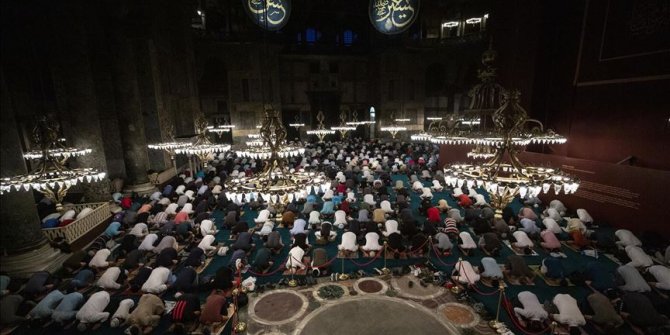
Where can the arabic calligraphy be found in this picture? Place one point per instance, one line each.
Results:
(393, 16)
(269, 14)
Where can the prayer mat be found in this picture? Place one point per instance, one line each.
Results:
(367, 254)
(298, 272)
(614, 259)
(514, 281)
(390, 255)
(204, 265)
(489, 283)
(519, 253)
(548, 281)
(352, 255)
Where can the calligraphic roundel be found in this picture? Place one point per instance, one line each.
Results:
(268, 14)
(393, 16)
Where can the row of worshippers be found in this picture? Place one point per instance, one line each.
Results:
(154, 246)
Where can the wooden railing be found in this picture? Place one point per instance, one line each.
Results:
(78, 228)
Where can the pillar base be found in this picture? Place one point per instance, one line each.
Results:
(23, 265)
(141, 189)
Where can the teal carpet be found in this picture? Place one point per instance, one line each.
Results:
(574, 262)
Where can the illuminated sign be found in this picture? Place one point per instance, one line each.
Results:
(268, 14)
(393, 16)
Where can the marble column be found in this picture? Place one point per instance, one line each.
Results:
(24, 247)
(129, 109)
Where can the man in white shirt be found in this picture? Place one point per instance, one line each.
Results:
(523, 242)
(122, 313)
(634, 282)
(662, 276)
(371, 244)
(568, 312)
(93, 310)
(294, 260)
(464, 273)
(139, 229)
(158, 281)
(99, 261)
(532, 309)
(638, 258)
(148, 243)
(626, 237)
(207, 227)
(111, 278)
(466, 243)
(206, 244)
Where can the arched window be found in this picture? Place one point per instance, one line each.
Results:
(310, 35)
(348, 37)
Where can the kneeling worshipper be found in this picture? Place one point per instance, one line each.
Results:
(113, 279)
(99, 260)
(634, 282)
(604, 314)
(464, 273)
(207, 227)
(490, 244)
(444, 244)
(325, 234)
(122, 313)
(215, 310)
(186, 311)
(139, 229)
(638, 258)
(549, 241)
(395, 244)
(45, 307)
(243, 242)
(529, 227)
(166, 242)
(532, 311)
(516, 268)
(167, 258)
(267, 228)
(599, 278)
(625, 238)
(274, 242)
(492, 273)
(300, 240)
(294, 261)
(348, 245)
(147, 314)
(568, 313)
(523, 242)
(186, 280)
(148, 243)
(637, 309)
(66, 310)
(262, 262)
(466, 243)
(157, 282)
(319, 260)
(299, 227)
(527, 213)
(340, 218)
(207, 244)
(372, 245)
(93, 312)
(553, 269)
(662, 276)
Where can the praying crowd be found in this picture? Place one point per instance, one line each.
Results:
(170, 261)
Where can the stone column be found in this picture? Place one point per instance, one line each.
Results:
(24, 247)
(76, 96)
(129, 110)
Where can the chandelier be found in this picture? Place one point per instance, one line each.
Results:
(297, 124)
(357, 123)
(52, 177)
(393, 129)
(170, 146)
(343, 128)
(221, 129)
(277, 183)
(504, 176)
(202, 147)
(321, 132)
